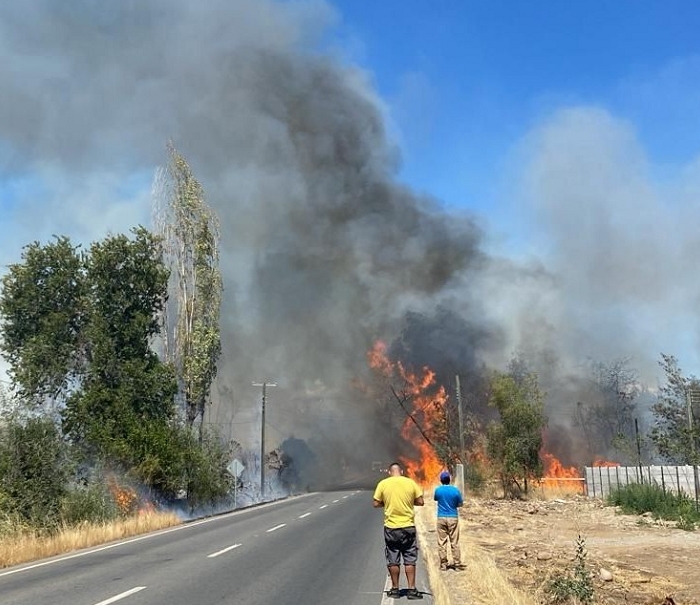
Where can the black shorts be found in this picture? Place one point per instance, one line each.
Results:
(401, 544)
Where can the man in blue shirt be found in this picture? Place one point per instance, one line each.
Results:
(449, 499)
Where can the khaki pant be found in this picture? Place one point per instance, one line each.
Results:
(448, 530)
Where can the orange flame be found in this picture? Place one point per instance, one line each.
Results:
(427, 404)
(556, 475)
(604, 463)
(124, 497)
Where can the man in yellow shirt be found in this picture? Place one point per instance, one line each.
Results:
(397, 495)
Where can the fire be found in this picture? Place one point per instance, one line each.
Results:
(124, 497)
(147, 508)
(604, 463)
(556, 475)
(427, 403)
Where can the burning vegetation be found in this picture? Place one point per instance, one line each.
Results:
(424, 443)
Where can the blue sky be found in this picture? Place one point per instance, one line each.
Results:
(466, 80)
(482, 92)
(571, 131)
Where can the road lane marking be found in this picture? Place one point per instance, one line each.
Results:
(222, 551)
(324, 506)
(334, 501)
(344, 497)
(161, 532)
(121, 596)
(276, 527)
(387, 585)
(304, 515)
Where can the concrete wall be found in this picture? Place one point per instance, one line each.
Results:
(600, 479)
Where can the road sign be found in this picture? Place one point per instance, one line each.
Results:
(236, 467)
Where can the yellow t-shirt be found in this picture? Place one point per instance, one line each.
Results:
(398, 495)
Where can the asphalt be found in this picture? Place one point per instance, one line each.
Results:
(315, 549)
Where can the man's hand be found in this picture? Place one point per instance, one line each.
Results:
(419, 501)
(377, 504)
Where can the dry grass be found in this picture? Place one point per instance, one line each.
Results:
(440, 593)
(545, 490)
(24, 545)
(482, 583)
(486, 583)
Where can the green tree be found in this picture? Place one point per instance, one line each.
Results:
(190, 233)
(124, 387)
(514, 442)
(672, 434)
(41, 311)
(76, 332)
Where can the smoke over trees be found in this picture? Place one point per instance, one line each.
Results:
(323, 250)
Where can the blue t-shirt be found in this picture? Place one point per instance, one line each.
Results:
(448, 498)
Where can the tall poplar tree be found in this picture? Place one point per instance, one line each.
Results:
(190, 232)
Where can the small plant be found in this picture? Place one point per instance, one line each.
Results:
(474, 478)
(686, 522)
(651, 498)
(576, 583)
(89, 504)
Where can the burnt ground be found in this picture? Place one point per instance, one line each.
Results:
(531, 541)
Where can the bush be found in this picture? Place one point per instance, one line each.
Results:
(33, 470)
(474, 477)
(637, 498)
(208, 480)
(576, 584)
(91, 504)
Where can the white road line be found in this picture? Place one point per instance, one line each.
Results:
(276, 527)
(323, 506)
(148, 536)
(221, 552)
(387, 585)
(344, 497)
(304, 515)
(121, 596)
(334, 501)
(155, 534)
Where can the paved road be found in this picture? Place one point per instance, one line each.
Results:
(315, 549)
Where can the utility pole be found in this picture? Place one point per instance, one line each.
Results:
(264, 386)
(639, 451)
(689, 392)
(459, 417)
(689, 404)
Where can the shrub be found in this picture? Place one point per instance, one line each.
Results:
(474, 477)
(92, 504)
(208, 479)
(575, 584)
(637, 498)
(32, 469)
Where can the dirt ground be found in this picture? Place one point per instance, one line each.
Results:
(531, 541)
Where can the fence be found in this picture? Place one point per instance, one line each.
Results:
(600, 480)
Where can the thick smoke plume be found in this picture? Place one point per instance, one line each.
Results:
(323, 252)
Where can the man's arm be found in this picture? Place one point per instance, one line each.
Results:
(378, 497)
(418, 493)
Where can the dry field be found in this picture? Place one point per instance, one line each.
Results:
(513, 548)
(23, 546)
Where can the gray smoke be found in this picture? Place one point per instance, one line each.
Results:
(323, 251)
